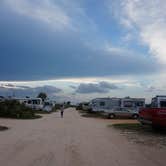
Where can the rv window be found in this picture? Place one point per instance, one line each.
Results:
(29, 101)
(139, 104)
(102, 103)
(162, 103)
(36, 101)
(128, 104)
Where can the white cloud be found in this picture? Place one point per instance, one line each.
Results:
(45, 11)
(148, 18)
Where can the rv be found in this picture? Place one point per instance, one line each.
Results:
(133, 103)
(113, 107)
(105, 104)
(33, 103)
(48, 105)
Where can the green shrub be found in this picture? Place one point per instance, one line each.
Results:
(13, 109)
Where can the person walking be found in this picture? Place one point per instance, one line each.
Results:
(62, 110)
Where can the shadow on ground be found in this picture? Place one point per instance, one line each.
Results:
(3, 128)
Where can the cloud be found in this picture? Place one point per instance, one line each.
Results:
(46, 11)
(37, 53)
(101, 87)
(73, 87)
(22, 91)
(146, 19)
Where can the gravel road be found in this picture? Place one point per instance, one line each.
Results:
(71, 141)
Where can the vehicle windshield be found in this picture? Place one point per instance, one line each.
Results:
(162, 104)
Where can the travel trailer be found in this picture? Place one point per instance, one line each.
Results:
(156, 114)
(34, 103)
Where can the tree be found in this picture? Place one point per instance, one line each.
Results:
(42, 95)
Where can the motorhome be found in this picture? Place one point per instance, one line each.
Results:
(34, 103)
(133, 103)
(48, 105)
(113, 107)
(105, 104)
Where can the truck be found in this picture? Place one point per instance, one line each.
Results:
(155, 115)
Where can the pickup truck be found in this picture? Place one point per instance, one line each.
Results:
(156, 115)
(153, 116)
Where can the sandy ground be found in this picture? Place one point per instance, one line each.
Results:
(71, 141)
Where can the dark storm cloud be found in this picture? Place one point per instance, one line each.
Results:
(101, 87)
(22, 91)
(31, 51)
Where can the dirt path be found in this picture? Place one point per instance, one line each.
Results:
(71, 141)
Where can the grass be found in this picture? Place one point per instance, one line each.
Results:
(130, 126)
(143, 135)
(88, 114)
(3, 128)
(42, 112)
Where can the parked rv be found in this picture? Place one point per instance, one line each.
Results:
(156, 114)
(133, 103)
(86, 106)
(104, 104)
(48, 105)
(34, 103)
(114, 107)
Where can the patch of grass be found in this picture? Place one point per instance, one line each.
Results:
(129, 126)
(141, 134)
(42, 112)
(88, 114)
(3, 128)
(13, 109)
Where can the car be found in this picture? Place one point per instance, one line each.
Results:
(123, 112)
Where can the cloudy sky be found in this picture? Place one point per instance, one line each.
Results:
(80, 49)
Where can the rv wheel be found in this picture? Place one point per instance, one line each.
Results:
(111, 116)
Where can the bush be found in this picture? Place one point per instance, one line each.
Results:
(13, 109)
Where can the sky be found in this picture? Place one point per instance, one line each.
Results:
(82, 49)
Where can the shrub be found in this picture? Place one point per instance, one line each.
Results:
(13, 109)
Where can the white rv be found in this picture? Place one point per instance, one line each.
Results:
(105, 104)
(34, 103)
(48, 105)
(159, 102)
(133, 103)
